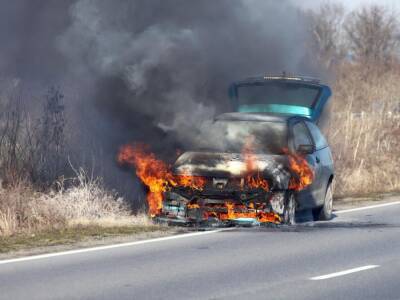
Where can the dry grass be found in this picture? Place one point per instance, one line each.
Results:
(364, 130)
(86, 202)
(83, 235)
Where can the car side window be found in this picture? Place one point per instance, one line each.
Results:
(319, 140)
(301, 136)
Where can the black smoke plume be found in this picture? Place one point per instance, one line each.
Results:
(148, 71)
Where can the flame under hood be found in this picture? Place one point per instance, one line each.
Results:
(235, 165)
(219, 186)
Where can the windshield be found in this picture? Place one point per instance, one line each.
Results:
(233, 136)
(268, 94)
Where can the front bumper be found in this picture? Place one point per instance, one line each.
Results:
(207, 209)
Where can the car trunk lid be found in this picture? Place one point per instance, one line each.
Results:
(280, 95)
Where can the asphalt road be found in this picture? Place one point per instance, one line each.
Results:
(252, 263)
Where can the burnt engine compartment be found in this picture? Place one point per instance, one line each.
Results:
(222, 202)
(220, 188)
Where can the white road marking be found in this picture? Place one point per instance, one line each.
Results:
(366, 207)
(41, 256)
(167, 238)
(346, 272)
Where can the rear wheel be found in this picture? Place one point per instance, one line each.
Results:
(326, 211)
(289, 212)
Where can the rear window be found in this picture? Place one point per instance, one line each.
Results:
(286, 93)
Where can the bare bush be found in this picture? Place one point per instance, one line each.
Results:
(364, 130)
(85, 202)
(23, 209)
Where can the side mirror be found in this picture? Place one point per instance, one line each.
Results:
(306, 149)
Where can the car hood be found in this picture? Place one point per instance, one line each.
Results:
(217, 164)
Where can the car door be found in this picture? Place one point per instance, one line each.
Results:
(323, 157)
(310, 197)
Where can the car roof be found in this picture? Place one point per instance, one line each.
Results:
(257, 117)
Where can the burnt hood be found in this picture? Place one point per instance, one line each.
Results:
(227, 164)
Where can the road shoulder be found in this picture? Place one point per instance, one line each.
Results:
(78, 238)
(86, 237)
(361, 201)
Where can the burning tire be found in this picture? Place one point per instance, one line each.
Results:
(289, 211)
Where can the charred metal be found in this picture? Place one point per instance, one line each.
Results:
(227, 197)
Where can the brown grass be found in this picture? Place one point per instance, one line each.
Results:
(364, 130)
(86, 202)
(85, 235)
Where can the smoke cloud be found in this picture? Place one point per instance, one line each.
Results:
(149, 71)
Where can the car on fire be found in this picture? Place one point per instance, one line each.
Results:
(263, 162)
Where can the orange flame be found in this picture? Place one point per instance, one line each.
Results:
(152, 172)
(155, 174)
(236, 211)
(304, 174)
(253, 178)
(194, 182)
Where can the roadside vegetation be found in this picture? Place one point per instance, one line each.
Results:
(360, 50)
(84, 211)
(44, 200)
(86, 202)
(364, 131)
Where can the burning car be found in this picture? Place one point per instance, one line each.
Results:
(259, 164)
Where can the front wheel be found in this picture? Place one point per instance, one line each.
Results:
(289, 211)
(326, 211)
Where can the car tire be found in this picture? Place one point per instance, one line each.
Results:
(289, 211)
(326, 211)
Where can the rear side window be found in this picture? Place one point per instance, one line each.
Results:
(301, 135)
(319, 139)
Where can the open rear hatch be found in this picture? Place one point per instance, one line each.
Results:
(280, 95)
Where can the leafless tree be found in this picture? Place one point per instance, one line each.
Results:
(13, 149)
(327, 32)
(372, 34)
(33, 148)
(52, 159)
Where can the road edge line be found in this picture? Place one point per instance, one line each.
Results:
(345, 272)
(366, 207)
(107, 247)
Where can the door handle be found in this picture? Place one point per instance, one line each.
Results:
(317, 159)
